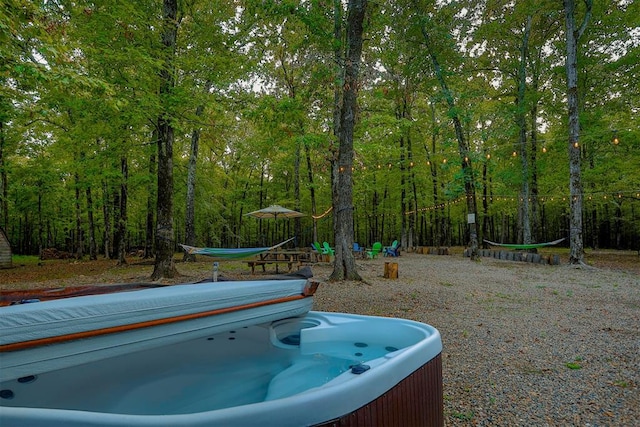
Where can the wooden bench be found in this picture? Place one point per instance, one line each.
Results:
(264, 262)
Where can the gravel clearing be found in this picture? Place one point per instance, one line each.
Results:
(524, 344)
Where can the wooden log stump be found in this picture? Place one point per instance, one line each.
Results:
(390, 270)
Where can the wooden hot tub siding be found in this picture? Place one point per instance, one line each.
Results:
(414, 402)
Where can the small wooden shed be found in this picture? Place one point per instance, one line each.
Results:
(5, 251)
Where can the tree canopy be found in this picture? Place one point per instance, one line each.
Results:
(461, 109)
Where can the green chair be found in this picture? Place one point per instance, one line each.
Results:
(327, 250)
(375, 250)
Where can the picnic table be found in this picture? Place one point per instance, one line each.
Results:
(290, 258)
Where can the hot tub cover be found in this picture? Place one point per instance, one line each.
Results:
(260, 301)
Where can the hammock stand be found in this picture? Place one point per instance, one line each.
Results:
(527, 246)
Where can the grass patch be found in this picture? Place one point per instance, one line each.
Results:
(575, 364)
(26, 260)
(466, 416)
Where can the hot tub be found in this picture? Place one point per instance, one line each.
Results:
(317, 368)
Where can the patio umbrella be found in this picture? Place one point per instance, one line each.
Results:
(275, 212)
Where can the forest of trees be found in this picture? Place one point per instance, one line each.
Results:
(142, 124)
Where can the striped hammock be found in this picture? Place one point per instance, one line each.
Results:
(527, 246)
(230, 254)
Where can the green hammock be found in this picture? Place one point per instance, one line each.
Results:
(230, 254)
(528, 246)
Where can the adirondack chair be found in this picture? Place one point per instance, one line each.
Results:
(375, 250)
(358, 250)
(327, 250)
(393, 250)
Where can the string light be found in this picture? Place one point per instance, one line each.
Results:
(615, 141)
(543, 199)
(316, 217)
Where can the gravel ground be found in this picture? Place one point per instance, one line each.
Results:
(524, 344)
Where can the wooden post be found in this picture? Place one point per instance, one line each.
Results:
(390, 270)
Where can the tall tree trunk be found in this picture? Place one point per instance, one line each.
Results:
(412, 239)
(117, 236)
(535, 214)
(79, 249)
(463, 148)
(485, 204)
(521, 114)
(164, 248)
(93, 250)
(573, 34)
(345, 265)
(297, 224)
(40, 226)
(151, 200)
(106, 212)
(122, 217)
(438, 212)
(312, 192)
(4, 191)
(190, 211)
(339, 60)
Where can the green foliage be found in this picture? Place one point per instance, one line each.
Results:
(79, 91)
